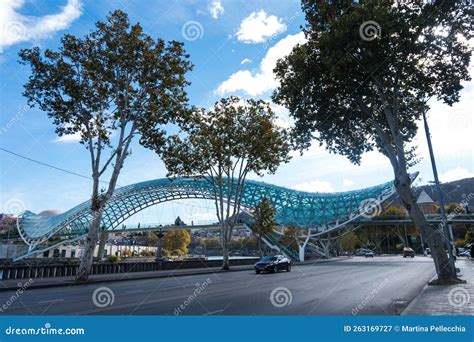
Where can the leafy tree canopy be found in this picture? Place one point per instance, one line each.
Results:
(364, 76)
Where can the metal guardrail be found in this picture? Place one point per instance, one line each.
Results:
(71, 269)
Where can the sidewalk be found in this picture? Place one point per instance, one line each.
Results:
(436, 300)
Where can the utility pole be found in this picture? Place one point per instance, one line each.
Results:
(446, 228)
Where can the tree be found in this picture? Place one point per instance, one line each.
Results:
(356, 86)
(177, 241)
(349, 242)
(111, 85)
(151, 239)
(291, 237)
(224, 145)
(468, 236)
(263, 215)
(212, 243)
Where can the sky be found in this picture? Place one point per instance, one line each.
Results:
(234, 45)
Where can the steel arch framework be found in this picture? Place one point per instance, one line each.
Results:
(304, 209)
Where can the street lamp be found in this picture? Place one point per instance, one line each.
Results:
(159, 253)
(444, 218)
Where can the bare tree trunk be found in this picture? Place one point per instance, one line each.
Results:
(102, 242)
(432, 235)
(89, 247)
(260, 244)
(225, 250)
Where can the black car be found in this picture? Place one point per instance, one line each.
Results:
(408, 252)
(273, 264)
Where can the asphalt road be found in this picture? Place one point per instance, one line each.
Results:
(378, 286)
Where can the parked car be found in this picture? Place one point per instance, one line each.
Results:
(273, 264)
(363, 251)
(408, 252)
(369, 254)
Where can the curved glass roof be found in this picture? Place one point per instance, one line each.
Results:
(304, 209)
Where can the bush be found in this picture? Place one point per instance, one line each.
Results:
(114, 258)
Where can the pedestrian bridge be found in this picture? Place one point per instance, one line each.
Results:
(304, 209)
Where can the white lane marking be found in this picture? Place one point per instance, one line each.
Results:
(51, 301)
(213, 312)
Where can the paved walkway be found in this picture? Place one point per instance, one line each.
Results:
(438, 300)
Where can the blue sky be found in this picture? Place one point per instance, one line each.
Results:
(233, 46)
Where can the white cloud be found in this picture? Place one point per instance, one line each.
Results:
(245, 61)
(263, 80)
(17, 28)
(456, 174)
(315, 186)
(70, 138)
(347, 183)
(215, 8)
(283, 115)
(450, 127)
(258, 26)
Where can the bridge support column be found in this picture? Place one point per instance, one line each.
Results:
(302, 248)
(103, 240)
(326, 245)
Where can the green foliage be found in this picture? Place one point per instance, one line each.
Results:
(250, 242)
(212, 243)
(455, 209)
(290, 237)
(263, 215)
(114, 258)
(151, 239)
(349, 242)
(468, 236)
(234, 138)
(126, 253)
(112, 76)
(395, 212)
(360, 94)
(176, 241)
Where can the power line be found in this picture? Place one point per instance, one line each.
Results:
(48, 165)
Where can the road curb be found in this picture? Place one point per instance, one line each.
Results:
(417, 297)
(96, 281)
(322, 261)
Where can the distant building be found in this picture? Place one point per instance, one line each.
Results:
(426, 204)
